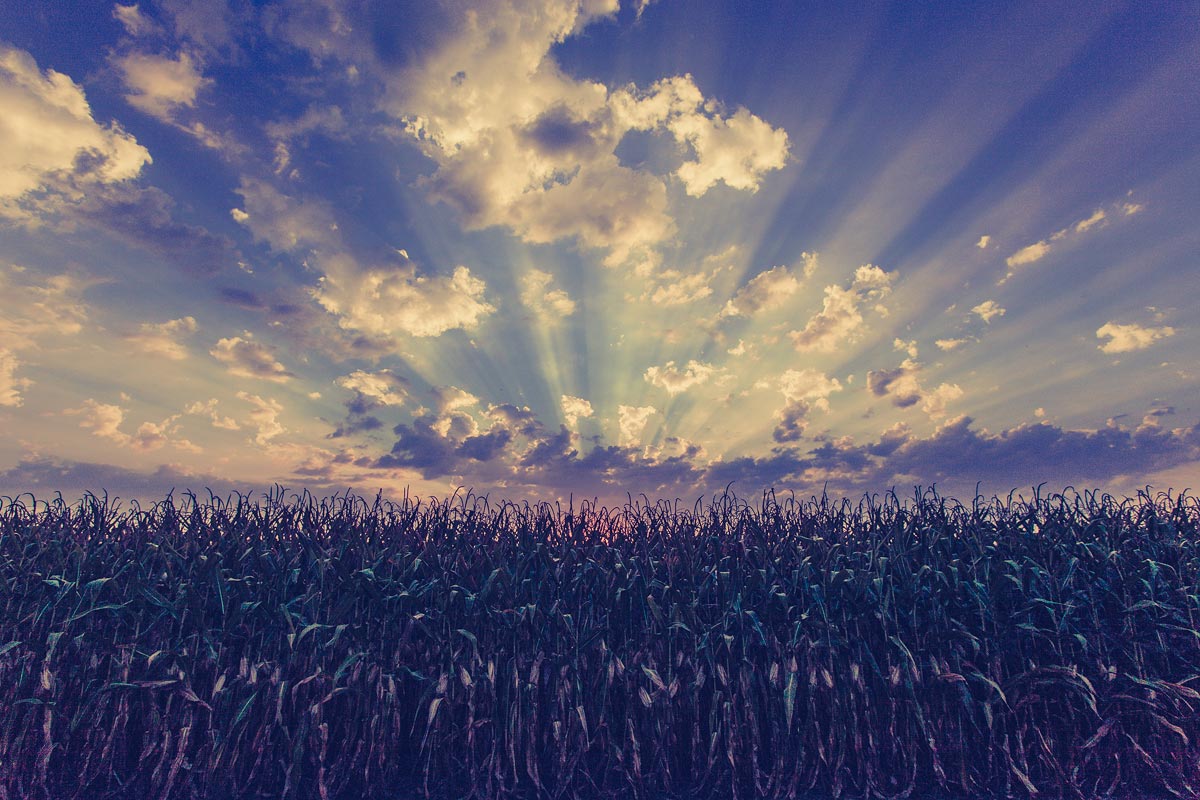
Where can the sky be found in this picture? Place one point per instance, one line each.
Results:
(546, 249)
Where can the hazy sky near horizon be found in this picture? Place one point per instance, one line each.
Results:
(540, 247)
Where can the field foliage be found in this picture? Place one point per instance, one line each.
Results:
(296, 648)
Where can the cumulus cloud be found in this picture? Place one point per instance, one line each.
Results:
(983, 242)
(263, 417)
(382, 388)
(574, 409)
(1125, 338)
(765, 291)
(903, 385)
(676, 380)
(810, 386)
(519, 143)
(549, 304)
(840, 318)
(950, 344)
(248, 359)
(934, 402)
(452, 398)
(900, 383)
(803, 390)
(396, 301)
(909, 347)
(163, 338)
(386, 300)
(632, 421)
(209, 409)
(160, 85)
(49, 141)
(988, 310)
(104, 420)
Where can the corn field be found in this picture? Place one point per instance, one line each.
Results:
(343, 648)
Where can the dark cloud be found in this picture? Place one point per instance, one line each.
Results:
(558, 132)
(43, 477)
(882, 382)
(487, 446)
(420, 447)
(792, 422)
(356, 424)
(241, 298)
(1045, 452)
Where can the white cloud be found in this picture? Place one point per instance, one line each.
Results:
(907, 347)
(263, 417)
(767, 290)
(10, 385)
(1028, 254)
(390, 300)
(675, 288)
(383, 387)
(549, 304)
(249, 359)
(521, 144)
(135, 22)
(935, 402)
(209, 409)
(395, 301)
(810, 386)
(163, 338)
(988, 310)
(38, 306)
(456, 425)
(736, 150)
(950, 344)
(1129, 209)
(1127, 338)
(802, 391)
(676, 380)
(48, 138)
(1095, 219)
(32, 309)
(104, 420)
(632, 421)
(452, 398)
(160, 85)
(903, 386)
(574, 409)
(983, 242)
(839, 318)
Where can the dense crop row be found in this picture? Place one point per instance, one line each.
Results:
(293, 648)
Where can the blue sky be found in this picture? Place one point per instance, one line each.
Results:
(544, 247)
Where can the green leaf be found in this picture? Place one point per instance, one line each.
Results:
(789, 698)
